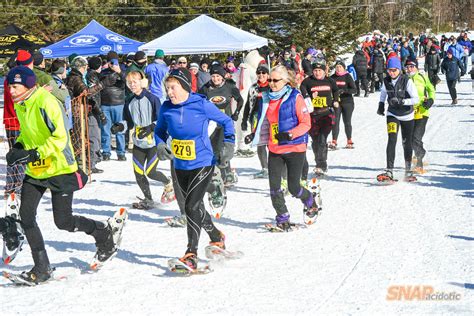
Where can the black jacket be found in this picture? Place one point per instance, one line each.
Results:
(113, 94)
(378, 62)
(432, 61)
(360, 63)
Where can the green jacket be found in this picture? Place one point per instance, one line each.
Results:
(425, 89)
(43, 127)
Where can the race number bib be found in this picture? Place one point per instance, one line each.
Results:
(184, 149)
(39, 166)
(319, 102)
(274, 132)
(391, 127)
(149, 138)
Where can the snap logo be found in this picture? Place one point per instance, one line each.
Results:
(17, 78)
(83, 40)
(47, 52)
(105, 48)
(115, 38)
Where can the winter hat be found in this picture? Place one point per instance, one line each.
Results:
(140, 55)
(341, 62)
(37, 58)
(129, 57)
(22, 75)
(193, 65)
(71, 57)
(23, 58)
(451, 51)
(159, 53)
(95, 63)
(183, 76)
(394, 62)
(58, 66)
(219, 70)
(263, 68)
(411, 62)
(112, 55)
(320, 64)
(230, 59)
(79, 62)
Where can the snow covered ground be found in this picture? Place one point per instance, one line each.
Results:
(368, 238)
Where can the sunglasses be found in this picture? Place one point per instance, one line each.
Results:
(274, 80)
(261, 73)
(393, 70)
(182, 62)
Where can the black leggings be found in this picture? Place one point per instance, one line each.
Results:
(452, 89)
(193, 185)
(393, 125)
(62, 212)
(418, 133)
(177, 191)
(294, 163)
(145, 161)
(320, 129)
(346, 110)
(263, 156)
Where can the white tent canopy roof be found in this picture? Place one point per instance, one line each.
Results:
(204, 35)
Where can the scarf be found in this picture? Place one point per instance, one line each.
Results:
(25, 95)
(339, 74)
(277, 95)
(262, 85)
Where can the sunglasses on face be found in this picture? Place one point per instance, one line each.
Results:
(274, 80)
(261, 73)
(182, 63)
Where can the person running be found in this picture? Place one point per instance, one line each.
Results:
(140, 113)
(347, 88)
(191, 151)
(450, 66)
(45, 147)
(401, 94)
(321, 94)
(426, 95)
(221, 92)
(252, 107)
(283, 125)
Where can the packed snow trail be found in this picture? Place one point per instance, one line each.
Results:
(369, 237)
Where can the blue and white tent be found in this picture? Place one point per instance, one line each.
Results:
(94, 39)
(204, 35)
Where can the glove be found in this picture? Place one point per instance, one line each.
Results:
(227, 153)
(235, 116)
(146, 130)
(21, 156)
(102, 118)
(428, 103)
(117, 128)
(381, 109)
(249, 138)
(244, 125)
(395, 102)
(283, 136)
(163, 152)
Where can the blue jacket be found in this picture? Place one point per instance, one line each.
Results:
(458, 51)
(451, 67)
(156, 73)
(187, 124)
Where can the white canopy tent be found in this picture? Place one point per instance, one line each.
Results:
(204, 35)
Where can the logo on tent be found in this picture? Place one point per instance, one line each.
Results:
(47, 52)
(83, 40)
(115, 38)
(105, 48)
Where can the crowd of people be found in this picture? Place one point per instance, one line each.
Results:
(272, 101)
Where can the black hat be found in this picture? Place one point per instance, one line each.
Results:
(112, 55)
(412, 62)
(183, 76)
(219, 70)
(37, 58)
(319, 64)
(340, 62)
(139, 56)
(263, 68)
(95, 63)
(22, 75)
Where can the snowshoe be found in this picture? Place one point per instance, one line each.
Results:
(231, 178)
(107, 250)
(320, 172)
(386, 177)
(144, 204)
(13, 237)
(187, 265)
(311, 213)
(349, 145)
(409, 177)
(176, 221)
(217, 197)
(282, 227)
(262, 174)
(332, 145)
(168, 195)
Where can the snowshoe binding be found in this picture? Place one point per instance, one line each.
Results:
(386, 177)
(332, 145)
(217, 196)
(176, 221)
(314, 206)
(13, 236)
(187, 265)
(168, 195)
(144, 204)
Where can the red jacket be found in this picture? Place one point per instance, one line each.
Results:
(9, 116)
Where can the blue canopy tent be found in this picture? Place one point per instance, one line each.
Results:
(94, 39)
